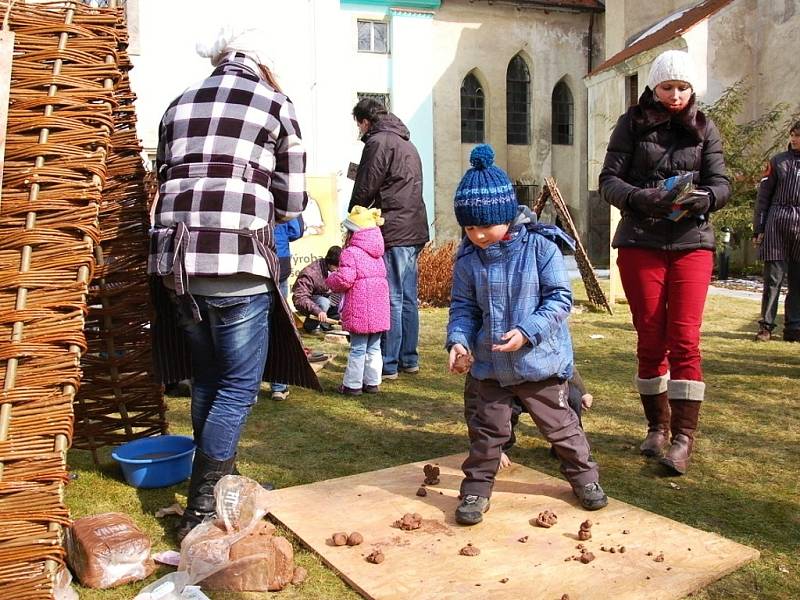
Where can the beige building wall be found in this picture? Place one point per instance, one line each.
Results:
(482, 39)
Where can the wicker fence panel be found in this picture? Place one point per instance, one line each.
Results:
(60, 119)
(118, 400)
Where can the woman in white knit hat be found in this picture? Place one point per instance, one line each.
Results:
(666, 253)
(230, 165)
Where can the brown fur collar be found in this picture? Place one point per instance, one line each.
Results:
(649, 114)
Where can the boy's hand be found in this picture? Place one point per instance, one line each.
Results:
(322, 317)
(586, 401)
(460, 359)
(514, 341)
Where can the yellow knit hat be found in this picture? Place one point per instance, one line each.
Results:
(363, 218)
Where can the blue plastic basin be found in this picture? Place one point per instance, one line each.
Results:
(155, 462)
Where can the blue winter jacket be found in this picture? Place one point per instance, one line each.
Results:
(519, 283)
(285, 233)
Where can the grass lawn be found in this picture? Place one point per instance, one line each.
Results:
(742, 484)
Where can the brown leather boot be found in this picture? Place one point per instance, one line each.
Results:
(657, 411)
(683, 423)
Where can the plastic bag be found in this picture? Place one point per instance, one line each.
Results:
(108, 550)
(62, 590)
(241, 504)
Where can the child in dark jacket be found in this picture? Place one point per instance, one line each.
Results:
(361, 277)
(312, 297)
(508, 311)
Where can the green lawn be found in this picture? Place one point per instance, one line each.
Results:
(743, 482)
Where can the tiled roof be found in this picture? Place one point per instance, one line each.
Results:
(588, 5)
(669, 31)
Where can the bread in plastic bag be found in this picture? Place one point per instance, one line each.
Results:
(236, 551)
(108, 550)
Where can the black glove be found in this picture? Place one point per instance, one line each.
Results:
(652, 202)
(697, 203)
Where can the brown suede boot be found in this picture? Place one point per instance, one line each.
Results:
(656, 409)
(683, 423)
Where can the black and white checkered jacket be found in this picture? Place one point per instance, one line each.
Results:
(231, 164)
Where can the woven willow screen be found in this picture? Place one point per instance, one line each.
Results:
(118, 400)
(70, 154)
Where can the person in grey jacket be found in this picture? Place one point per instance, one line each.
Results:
(389, 177)
(776, 230)
(666, 256)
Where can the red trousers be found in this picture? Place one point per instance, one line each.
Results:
(666, 292)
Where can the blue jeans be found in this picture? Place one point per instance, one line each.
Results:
(325, 304)
(283, 287)
(400, 342)
(364, 361)
(229, 350)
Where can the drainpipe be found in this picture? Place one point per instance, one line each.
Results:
(591, 43)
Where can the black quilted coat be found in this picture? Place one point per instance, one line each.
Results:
(642, 136)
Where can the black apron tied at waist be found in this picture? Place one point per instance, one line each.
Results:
(180, 247)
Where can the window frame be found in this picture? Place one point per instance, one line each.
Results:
(372, 23)
(477, 97)
(560, 106)
(520, 135)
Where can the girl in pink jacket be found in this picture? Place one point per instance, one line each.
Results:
(362, 279)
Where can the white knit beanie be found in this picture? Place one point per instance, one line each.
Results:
(673, 65)
(236, 38)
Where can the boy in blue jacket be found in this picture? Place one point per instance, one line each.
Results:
(508, 326)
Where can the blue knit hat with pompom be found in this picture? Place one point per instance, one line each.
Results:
(485, 195)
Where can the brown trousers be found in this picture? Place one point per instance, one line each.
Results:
(490, 427)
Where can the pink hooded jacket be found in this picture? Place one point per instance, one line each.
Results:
(362, 277)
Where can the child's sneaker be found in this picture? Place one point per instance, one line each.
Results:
(281, 395)
(471, 509)
(591, 495)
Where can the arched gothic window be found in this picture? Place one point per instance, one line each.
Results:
(563, 115)
(518, 102)
(472, 110)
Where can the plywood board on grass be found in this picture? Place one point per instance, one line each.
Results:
(426, 563)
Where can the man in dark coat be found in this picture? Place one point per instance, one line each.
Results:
(389, 177)
(776, 229)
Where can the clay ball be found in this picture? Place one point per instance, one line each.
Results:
(355, 539)
(339, 539)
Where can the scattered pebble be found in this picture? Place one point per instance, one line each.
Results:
(376, 557)
(469, 550)
(586, 558)
(422, 492)
(564, 596)
(523, 539)
(504, 580)
(622, 549)
(625, 531)
(659, 558)
(612, 550)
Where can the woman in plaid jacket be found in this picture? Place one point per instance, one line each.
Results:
(230, 164)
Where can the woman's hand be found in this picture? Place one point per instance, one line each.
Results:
(697, 204)
(652, 202)
(460, 359)
(514, 341)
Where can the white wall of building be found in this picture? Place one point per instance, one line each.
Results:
(313, 47)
